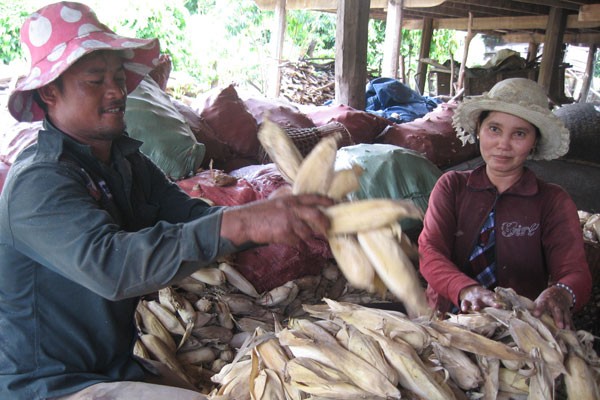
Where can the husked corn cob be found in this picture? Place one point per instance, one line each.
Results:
(210, 275)
(449, 334)
(460, 367)
(267, 386)
(579, 379)
(316, 170)
(344, 182)
(317, 379)
(512, 381)
(239, 281)
(281, 149)
(281, 295)
(333, 355)
(153, 325)
(364, 215)
(157, 348)
(274, 357)
(168, 319)
(394, 268)
(352, 261)
(490, 368)
(140, 350)
(412, 373)
(528, 339)
(390, 323)
(367, 348)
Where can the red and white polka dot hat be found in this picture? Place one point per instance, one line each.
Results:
(60, 34)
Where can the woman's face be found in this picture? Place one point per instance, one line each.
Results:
(505, 141)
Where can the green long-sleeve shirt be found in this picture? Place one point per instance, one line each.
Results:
(79, 242)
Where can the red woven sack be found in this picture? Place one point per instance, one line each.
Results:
(363, 126)
(231, 121)
(433, 136)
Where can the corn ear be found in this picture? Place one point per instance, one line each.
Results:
(211, 276)
(239, 281)
(316, 170)
(579, 379)
(364, 215)
(395, 269)
(344, 182)
(352, 261)
(281, 149)
(153, 326)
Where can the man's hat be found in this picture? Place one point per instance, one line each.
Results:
(60, 34)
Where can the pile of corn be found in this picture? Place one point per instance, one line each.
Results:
(310, 338)
(346, 351)
(197, 326)
(231, 345)
(590, 225)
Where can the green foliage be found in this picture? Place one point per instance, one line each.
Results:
(597, 65)
(218, 42)
(11, 19)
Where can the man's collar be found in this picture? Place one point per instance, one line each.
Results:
(125, 144)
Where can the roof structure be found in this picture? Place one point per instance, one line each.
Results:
(517, 20)
(551, 23)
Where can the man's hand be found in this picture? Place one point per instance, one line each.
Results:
(557, 302)
(281, 219)
(474, 298)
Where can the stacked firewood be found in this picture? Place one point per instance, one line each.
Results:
(307, 82)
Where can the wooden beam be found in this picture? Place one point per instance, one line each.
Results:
(424, 50)
(588, 75)
(499, 23)
(552, 53)
(277, 39)
(552, 3)
(393, 39)
(331, 5)
(351, 52)
(578, 39)
(589, 12)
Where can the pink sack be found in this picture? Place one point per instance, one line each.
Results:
(433, 136)
(266, 267)
(218, 187)
(231, 121)
(363, 126)
(283, 113)
(216, 151)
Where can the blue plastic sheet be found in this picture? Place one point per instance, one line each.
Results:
(391, 99)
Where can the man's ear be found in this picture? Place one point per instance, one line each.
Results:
(48, 93)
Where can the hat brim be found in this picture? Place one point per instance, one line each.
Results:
(140, 56)
(554, 140)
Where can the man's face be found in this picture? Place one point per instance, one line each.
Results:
(90, 105)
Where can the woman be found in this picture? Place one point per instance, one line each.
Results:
(499, 225)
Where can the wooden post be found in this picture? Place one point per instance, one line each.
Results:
(274, 79)
(532, 50)
(588, 75)
(463, 64)
(393, 39)
(426, 36)
(351, 52)
(551, 58)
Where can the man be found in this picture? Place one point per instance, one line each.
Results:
(88, 224)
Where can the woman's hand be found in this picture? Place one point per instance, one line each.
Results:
(474, 298)
(557, 302)
(281, 219)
